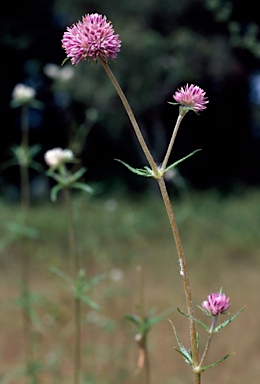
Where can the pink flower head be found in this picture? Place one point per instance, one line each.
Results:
(216, 304)
(191, 97)
(92, 37)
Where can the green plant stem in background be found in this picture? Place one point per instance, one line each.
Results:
(141, 308)
(25, 259)
(24, 171)
(157, 174)
(74, 258)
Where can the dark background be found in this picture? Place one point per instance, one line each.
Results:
(165, 44)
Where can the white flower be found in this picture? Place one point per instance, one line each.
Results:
(55, 72)
(57, 156)
(23, 94)
(116, 274)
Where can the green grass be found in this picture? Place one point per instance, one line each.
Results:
(222, 246)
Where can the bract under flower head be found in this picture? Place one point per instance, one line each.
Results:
(191, 97)
(92, 37)
(216, 304)
(58, 156)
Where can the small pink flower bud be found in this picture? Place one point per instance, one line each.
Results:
(191, 97)
(216, 304)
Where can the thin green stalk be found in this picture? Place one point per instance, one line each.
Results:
(141, 309)
(26, 267)
(184, 274)
(24, 171)
(158, 176)
(211, 333)
(176, 128)
(131, 117)
(77, 302)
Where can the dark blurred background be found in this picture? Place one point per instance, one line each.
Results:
(165, 44)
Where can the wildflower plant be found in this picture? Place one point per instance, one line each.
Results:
(93, 38)
(58, 160)
(22, 155)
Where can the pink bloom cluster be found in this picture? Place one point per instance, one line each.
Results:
(192, 97)
(92, 37)
(216, 304)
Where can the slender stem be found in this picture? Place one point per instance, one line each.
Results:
(184, 274)
(131, 117)
(157, 174)
(142, 315)
(176, 128)
(211, 333)
(77, 303)
(25, 259)
(24, 172)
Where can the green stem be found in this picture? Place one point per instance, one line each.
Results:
(157, 175)
(176, 128)
(141, 308)
(25, 259)
(131, 116)
(211, 333)
(184, 274)
(77, 303)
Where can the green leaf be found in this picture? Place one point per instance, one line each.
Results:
(160, 317)
(78, 174)
(83, 187)
(54, 192)
(134, 319)
(225, 323)
(179, 161)
(63, 275)
(183, 351)
(146, 172)
(64, 61)
(196, 320)
(92, 281)
(34, 150)
(216, 362)
(88, 301)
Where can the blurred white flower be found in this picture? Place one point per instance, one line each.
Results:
(111, 205)
(53, 71)
(23, 94)
(57, 156)
(116, 275)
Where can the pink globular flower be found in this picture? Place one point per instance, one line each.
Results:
(92, 37)
(216, 304)
(191, 97)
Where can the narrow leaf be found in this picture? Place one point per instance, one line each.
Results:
(64, 61)
(88, 301)
(160, 317)
(147, 172)
(183, 351)
(179, 161)
(78, 174)
(216, 363)
(91, 282)
(54, 192)
(225, 323)
(134, 319)
(62, 274)
(196, 320)
(82, 187)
